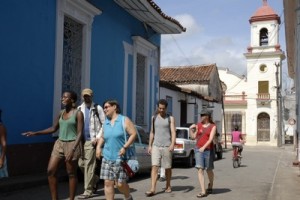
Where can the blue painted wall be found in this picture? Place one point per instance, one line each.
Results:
(27, 47)
(107, 57)
(27, 52)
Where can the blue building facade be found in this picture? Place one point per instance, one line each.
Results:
(50, 46)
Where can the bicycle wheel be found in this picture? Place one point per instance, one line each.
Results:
(235, 163)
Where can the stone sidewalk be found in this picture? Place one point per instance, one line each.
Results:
(285, 184)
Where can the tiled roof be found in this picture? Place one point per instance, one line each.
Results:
(149, 12)
(187, 74)
(264, 13)
(157, 8)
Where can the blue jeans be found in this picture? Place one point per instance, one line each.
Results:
(204, 160)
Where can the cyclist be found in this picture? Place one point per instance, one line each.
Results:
(237, 140)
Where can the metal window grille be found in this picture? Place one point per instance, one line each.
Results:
(140, 89)
(72, 55)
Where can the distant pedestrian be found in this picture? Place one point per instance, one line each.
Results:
(3, 163)
(115, 127)
(204, 133)
(161, 145)
(237, 139)
(67, 146)
(93, 121)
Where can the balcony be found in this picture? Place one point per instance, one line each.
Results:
(235, 99)
(263, 99)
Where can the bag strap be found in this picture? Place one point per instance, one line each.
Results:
(124, 130)
(96, 112)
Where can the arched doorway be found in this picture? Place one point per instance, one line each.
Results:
(263, 127)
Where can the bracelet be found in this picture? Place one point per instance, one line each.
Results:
(124, 147)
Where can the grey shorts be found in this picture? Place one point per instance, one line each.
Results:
(161, 156)
(112, 170)
(63, 148)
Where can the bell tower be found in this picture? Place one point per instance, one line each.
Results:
(264, 58)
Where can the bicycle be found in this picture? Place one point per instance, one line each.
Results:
(236, 157)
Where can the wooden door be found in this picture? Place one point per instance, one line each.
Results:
(263, 127)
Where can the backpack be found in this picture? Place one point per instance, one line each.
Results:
(97, 113)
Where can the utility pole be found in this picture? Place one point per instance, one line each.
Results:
(278, 103)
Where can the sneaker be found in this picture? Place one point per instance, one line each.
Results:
(84, 196)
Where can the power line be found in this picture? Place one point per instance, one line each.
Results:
(180, 49)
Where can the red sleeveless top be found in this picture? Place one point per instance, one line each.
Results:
(203, 136)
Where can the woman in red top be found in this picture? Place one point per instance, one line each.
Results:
(204, 133)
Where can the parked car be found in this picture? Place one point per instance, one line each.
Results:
(141, 148)
(218, 146)
(184, 147)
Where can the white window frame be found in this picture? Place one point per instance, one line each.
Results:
(84, 13)
(150, 51)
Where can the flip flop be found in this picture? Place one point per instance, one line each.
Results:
(149, 193)
(201, 195)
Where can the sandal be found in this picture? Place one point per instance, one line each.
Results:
(209, 189)
(200, 195)
(149, 193)
(168, 190)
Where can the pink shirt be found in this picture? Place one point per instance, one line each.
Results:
(236, 136)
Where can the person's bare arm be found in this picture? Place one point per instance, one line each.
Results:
(193, 131)
(49, 130)
(130, 129)
(151, 136)
(100, 143)
(173, 133)
(2, 144)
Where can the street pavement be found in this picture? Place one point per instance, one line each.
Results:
(266, 173)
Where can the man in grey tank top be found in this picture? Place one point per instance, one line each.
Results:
(161, 145)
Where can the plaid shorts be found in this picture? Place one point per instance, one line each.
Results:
(112, 170)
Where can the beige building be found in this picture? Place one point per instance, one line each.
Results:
(252, 102)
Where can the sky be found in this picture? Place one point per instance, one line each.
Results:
(218, 31)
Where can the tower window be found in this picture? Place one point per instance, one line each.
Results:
(263, 87)
(263, 37)
(263, 68)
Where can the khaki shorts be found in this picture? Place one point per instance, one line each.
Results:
(63, 148)
(161, 156)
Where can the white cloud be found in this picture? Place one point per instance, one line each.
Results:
(204, 50)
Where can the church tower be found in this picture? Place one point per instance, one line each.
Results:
(264, 58)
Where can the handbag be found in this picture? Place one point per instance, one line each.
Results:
(127, 169)
(130, 163)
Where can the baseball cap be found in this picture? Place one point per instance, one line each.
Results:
(87, 91)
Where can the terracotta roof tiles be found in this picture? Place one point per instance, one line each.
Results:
(187, 74)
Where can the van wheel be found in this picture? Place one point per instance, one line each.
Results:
(190, 160)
